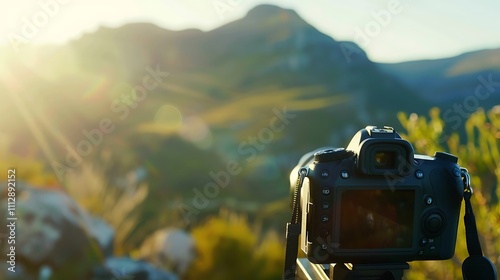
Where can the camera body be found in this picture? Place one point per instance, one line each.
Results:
(378, 202)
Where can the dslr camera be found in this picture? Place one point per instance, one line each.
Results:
(378, 202)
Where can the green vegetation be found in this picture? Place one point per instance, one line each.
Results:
(116, 207)
(479, 153)
(232, 246)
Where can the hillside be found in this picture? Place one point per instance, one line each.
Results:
(451, 79)
(217, 92)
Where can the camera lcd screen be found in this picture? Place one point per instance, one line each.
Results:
(376, 219)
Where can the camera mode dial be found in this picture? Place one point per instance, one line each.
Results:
(332, 155)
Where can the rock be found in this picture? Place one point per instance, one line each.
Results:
(103, 233)
(173, 249)
(57, 239)
(54, 235)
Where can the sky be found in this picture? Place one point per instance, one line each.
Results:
(388, 30)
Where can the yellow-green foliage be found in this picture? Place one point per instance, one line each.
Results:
(119, 208)
(480, 155)
(229, 248)
(28, 168)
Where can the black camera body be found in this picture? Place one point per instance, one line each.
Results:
(377, 202)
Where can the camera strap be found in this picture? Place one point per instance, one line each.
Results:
(293, 229)
(476, 266)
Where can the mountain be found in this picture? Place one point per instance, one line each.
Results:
(271, 50)
(453, 79)
(257, 93)
(271, 54)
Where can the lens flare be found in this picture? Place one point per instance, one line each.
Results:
(196, 131)
(168, 116)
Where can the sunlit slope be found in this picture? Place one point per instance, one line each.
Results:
(208, 95)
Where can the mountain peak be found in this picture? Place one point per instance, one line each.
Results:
(267, 10)
(270, 14)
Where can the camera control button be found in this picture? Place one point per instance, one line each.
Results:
(428, 200)
(332, 155)
(324, 219)
(433, 223)
(344, 174)
(423, 242)
(325, 191)
(419, 174)
(325, 205)
(325, 173)
(432, 248)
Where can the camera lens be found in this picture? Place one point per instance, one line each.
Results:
(385, 160)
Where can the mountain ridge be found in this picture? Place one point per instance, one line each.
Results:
(448, 79)
(223, 89)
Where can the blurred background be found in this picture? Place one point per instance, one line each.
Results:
(154, 139)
